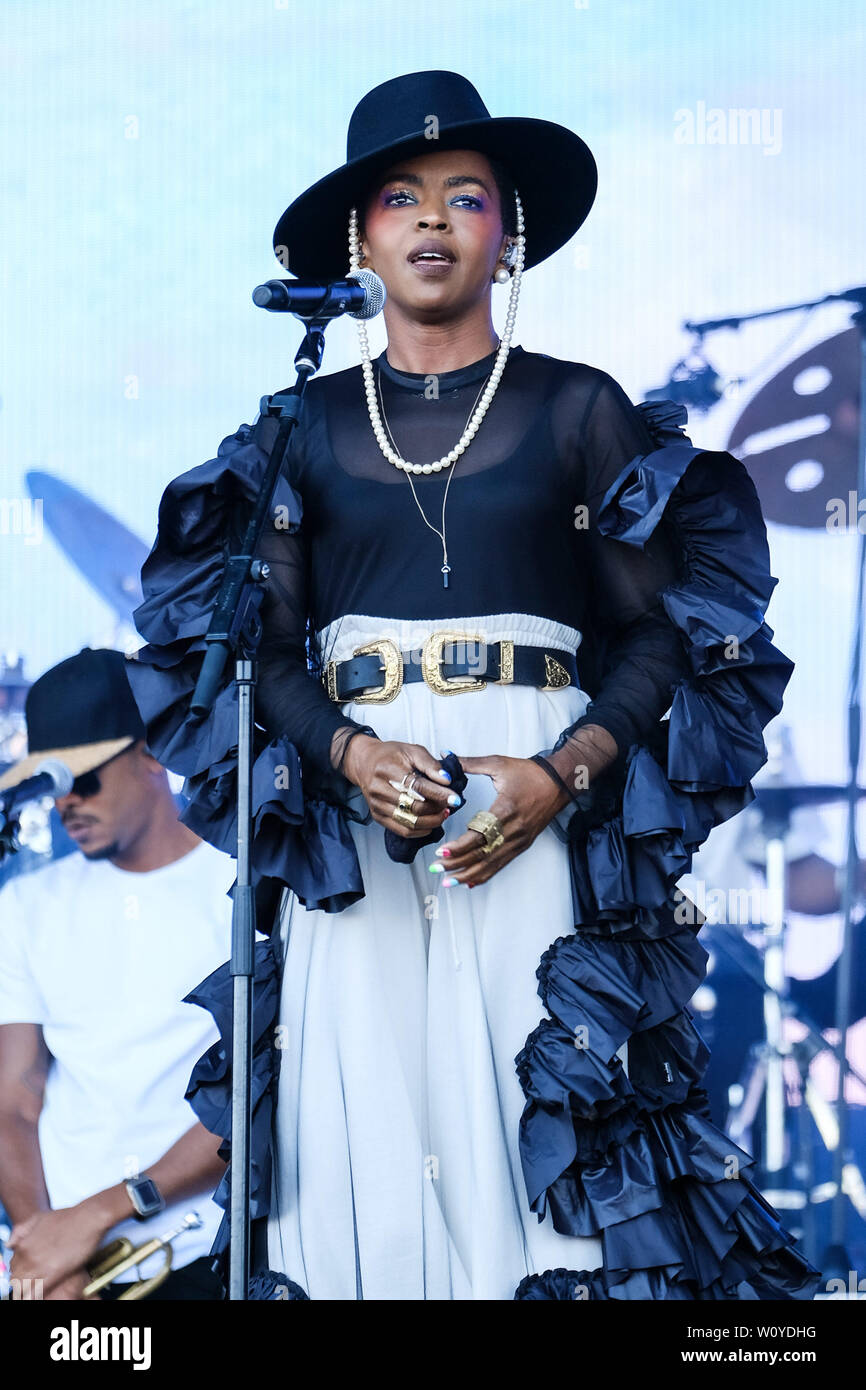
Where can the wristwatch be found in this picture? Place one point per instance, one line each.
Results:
(145, 1196)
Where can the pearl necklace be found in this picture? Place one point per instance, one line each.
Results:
(489, 391)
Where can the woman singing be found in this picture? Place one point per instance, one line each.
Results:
(514, 669)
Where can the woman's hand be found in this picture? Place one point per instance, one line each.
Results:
(372, 764)
(527, 800)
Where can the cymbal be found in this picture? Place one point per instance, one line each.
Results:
(101, 548)
(828, 448)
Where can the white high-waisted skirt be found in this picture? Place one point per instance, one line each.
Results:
(397, 1172)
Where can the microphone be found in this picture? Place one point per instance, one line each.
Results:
(52, 778)
(361, 295)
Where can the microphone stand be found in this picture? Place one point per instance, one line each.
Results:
(836, 1258)
(236, 626)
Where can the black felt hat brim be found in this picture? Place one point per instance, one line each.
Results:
(552, 168)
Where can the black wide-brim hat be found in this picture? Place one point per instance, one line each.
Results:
(551, 167)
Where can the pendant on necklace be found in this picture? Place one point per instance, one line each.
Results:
(446, 570)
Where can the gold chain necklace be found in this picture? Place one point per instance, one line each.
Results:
(446, 568)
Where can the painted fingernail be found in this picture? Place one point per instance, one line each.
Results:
(436, 868)
(443, 850)
(449, 882)
(445, 815)
(444, 752)
(454, 799)
(443, 772)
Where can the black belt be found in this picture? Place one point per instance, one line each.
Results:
(449, 663)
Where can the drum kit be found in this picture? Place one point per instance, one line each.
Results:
(777, 1110)
(802, 437)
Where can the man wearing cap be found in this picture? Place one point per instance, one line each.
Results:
(97, 952)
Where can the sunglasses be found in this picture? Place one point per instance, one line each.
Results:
(89, 783)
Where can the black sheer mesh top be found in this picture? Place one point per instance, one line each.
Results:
(519, 524)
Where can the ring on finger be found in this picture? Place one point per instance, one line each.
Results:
(407, 791)
(490, 827)
(404, 816)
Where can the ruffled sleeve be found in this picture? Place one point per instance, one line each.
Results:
(712, 745)
(301, 805)
(681, 775)
(631, 1151)
(209, 1091)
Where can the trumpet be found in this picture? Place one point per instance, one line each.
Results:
(120, 1255)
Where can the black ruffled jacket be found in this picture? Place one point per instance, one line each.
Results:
(636, 1157)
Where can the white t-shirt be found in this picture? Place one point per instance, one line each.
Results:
(101, 958)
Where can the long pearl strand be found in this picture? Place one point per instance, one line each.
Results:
(489, 391)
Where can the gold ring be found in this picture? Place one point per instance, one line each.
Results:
(490, 827)
(406, 800)
(404, 817)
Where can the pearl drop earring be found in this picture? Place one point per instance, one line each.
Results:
(503, 274)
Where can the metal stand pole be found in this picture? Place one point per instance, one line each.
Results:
(849, 894)
(236, 626)
(776, 985)
(242, 970)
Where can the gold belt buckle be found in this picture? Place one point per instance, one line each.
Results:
(432, 657)
(392, 665)
(557, 676)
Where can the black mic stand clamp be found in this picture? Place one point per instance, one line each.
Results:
(236, 627)
(9, 832)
